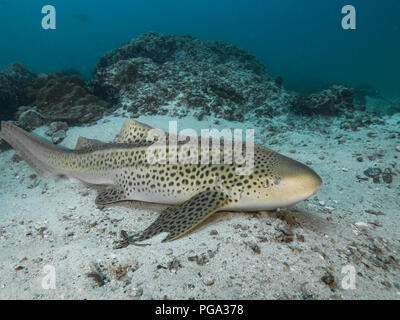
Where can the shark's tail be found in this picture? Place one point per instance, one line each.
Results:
(36, 152)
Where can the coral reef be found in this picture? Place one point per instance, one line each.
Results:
(65, 98)
(191, 75)
(14, 80)
(28, 118)
(333, 101)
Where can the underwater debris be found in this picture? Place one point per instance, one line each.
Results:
(203, 258)
(286, 267)
(300, 238)
(375, 213)
(253, 246)
(135, 292)
(289, 217)
(96, 274)
(200, 260)
(206, 77)
(305, 294)
(329, 280)
(213, 232)
(120, 271)
(387, 175)
(376, 173)
(208, 281)
(373, 172)
(286, 236)
(174, 264)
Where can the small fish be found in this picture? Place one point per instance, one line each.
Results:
(192, 191)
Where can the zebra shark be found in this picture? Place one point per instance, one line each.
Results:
(193, 191)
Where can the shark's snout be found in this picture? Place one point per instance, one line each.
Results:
(299, 180)
(312, 182)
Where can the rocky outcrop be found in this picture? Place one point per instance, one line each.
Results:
(57, 97)
(190, 75)
(333, 101)
(29, 118)
(14, 81)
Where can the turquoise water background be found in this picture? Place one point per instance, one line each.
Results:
(300, 40)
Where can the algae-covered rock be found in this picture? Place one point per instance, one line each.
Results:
(333, 101)
(188, 74)
(65, 98)
(14, 81)
(29, 118)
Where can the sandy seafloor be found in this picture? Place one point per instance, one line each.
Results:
(270, 255)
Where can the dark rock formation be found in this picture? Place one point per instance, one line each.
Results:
(334, 101)
(14, 80)
(190, 75)
(29, 118)
(65, 98)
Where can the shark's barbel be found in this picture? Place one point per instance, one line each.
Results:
(194, 191)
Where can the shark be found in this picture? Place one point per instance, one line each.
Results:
(123, 172)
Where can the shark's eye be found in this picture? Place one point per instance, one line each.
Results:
(267, 184)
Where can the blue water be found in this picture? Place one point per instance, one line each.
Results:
(301, 40)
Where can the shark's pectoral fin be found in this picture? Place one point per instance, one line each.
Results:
(109, 196)
(180, 219)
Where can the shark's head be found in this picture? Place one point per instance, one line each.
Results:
(279, 181)
(296, 182)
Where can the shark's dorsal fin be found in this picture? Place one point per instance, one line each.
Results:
(85, 144)
(133, 132)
